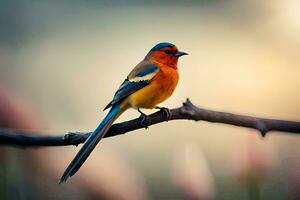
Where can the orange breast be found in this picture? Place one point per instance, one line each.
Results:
(161, 87)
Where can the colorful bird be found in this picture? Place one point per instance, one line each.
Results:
(151, 82)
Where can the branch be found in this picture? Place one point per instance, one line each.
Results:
(187, 111)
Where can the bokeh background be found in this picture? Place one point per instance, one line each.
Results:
(61, 61)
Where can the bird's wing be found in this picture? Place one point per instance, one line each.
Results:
(138, 78)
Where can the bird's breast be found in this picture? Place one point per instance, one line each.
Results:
(161, 87)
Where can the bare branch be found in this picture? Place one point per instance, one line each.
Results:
(187, 111)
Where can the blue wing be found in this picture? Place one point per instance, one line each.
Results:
(137, 79)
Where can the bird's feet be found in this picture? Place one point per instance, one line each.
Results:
(145, 119)
(166, 111)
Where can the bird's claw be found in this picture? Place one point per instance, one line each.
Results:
(166, 111)
(145, 120)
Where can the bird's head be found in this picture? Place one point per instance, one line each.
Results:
(165, 53)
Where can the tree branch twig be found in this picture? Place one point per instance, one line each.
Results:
(187, 111)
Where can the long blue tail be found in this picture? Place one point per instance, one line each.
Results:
(90, 143)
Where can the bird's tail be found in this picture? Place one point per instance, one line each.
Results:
(91, 142)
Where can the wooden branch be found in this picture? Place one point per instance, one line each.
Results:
(187, 111)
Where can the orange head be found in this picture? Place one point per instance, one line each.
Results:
(165, 53)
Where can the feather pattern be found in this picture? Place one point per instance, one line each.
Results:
(137, 79)
(91, 142)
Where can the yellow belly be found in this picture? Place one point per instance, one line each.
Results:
(156, 92)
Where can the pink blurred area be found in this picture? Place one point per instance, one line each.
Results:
(191, 174)
(252, 158)
(17, 112)
(107, 176)
(294, 179)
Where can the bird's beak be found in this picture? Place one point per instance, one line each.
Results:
(180, 53)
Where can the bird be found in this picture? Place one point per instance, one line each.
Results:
(150, 82)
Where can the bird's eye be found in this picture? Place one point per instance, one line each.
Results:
(168, 51)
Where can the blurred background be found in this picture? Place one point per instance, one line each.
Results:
(61, 62)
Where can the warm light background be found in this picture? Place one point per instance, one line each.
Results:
(67, 58)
